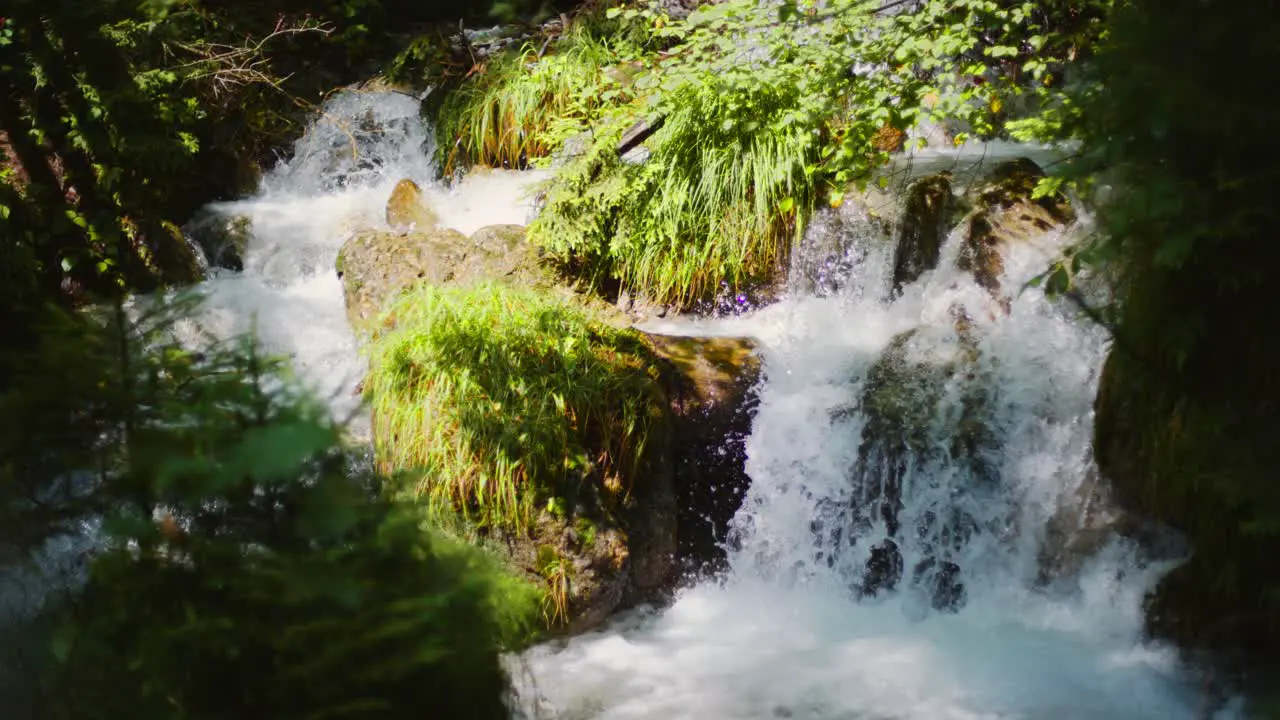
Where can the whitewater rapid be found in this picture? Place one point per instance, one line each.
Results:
(783, 634)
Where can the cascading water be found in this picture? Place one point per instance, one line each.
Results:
(287, 293)
(910, 454)
(336, 183)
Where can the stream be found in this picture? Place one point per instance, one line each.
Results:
(870, 577)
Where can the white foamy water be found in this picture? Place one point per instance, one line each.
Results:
(794, 630)
(335, 183)
(797, 628)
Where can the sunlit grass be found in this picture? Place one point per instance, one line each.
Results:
(522, 105)
(502, 401)
(718, 202)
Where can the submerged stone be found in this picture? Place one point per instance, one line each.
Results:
(883, 570)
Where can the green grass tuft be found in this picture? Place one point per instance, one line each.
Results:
(719, 200)
(521, 105)
(500, 401)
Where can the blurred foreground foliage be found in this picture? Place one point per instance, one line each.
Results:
(243, 563)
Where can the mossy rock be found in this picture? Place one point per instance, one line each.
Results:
(502, 252)
(1006, 213)
(1199, 455)
(176, 260)
(376, 266)
(545, 427)
(627, 411)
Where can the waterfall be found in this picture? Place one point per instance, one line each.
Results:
(817, 616)
(911, 455)
(335, 183)
(911, 459)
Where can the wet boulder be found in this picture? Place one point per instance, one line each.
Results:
(1005, 213)
(408, 210)
(222, 237)
(922, 228)
(1082, 524)
(927, 385)
(712, 404)
(883, 570)
(941, 583)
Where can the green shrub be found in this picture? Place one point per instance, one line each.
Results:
(249, 567)
(506, 401)
(770, 109)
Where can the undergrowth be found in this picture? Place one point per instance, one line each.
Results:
(523, 104)
(241, 561)
(766, 110)
(501, 401)
(718, 200)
